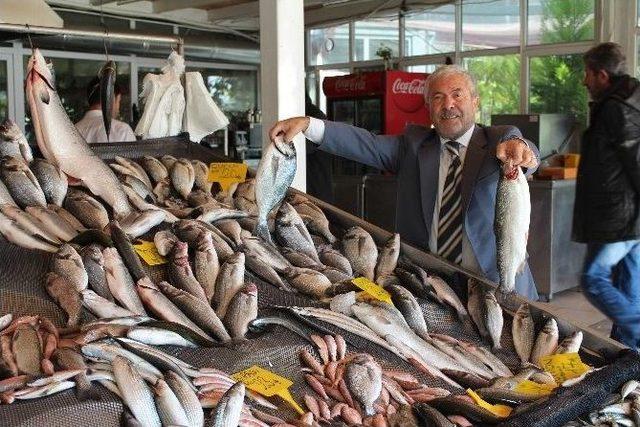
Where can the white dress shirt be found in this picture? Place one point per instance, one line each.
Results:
(91, 128)
(315, 133)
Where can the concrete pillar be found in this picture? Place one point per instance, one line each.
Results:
(282, 70)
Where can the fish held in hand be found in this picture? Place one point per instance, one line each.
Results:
(512, 215)
(275, 174)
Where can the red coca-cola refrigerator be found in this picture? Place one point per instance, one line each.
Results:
(383, 102)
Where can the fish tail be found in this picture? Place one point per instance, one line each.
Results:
(262, 231)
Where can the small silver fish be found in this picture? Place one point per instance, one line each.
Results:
(546, 342)
(523, 332)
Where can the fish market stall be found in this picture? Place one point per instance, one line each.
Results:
(153, 297)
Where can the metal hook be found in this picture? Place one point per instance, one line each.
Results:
(29, 37)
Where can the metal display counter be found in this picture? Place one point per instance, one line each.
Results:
(21, 292)
(555, 261)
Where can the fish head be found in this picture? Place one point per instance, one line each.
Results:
(40, 78)
(251, 290)
(287, 149)
(9, 130)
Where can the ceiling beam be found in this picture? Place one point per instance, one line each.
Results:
(244, 10)
(101, 2)
(160, 6)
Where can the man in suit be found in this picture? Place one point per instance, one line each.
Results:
(447, 176)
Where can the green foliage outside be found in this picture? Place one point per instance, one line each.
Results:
(555, 82)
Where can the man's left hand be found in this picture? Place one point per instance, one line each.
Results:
(516, 152)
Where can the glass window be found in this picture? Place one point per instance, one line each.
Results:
(323, 74)
(374, 34)
(232, 90)
(560, 21)
(311, 86)
(4, 96)
(328, 45)
(427, 68)
(556, 86)
(498, 84)
(431, 31)
(490, 25)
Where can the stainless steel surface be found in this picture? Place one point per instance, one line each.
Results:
(555, 261)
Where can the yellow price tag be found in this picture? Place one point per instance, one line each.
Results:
(227, 173)
(149, 253)
(376, 291)
(497, 410)
(267, 384)
(530, 387)
(564, 366)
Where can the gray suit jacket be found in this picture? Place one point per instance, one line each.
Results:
(414, 157)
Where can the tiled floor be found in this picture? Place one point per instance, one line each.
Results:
(574, 306)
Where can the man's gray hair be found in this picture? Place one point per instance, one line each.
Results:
(446, 71)
(608, 57)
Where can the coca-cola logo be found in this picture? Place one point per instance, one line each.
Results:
(350, 85)
(414, 87)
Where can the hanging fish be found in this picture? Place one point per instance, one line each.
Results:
(107, 82)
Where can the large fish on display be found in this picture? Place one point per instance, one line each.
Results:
(61, 143)
(274, 176)
(513, 209)
(107, 83)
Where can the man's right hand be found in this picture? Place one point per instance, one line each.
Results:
(289, 127)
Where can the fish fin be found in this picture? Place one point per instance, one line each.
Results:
(45, 97)
(522, 265)
(262, 231)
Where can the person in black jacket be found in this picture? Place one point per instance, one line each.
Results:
(607, 206)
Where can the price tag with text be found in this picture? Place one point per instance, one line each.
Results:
(498, 410)
(374, 290)
(149, 253)
(268, 384)
(564, 366)
(227, 173)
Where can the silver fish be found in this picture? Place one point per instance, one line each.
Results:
(138, 186)
(5, 321)
(202, 176)
(86, 209)
(276, 171)
(364, 379)
(138, 225)
(182, 177)
(242, 310)
(93, 262)
(231, 229)
(52, 223)
(333, 258)
(66, 296)
(388, 258)
(67, 358)
(108, 351)
(164, 241)
(227, 411)
(187, 397)
(102, 307)
(206, 265)
(307, 281)
(492, 318)
(143, 205)
(448, 295)
(169, 408)
(570, 344)
(162, 190)
(265, 271)
(157, 336)
(52, 180)
(16, 234)
(230, 280)
(245, 197)
(135, 392)
(546, 342)
(137, 170)
(13, 142)
(120, 282)
(474, 305)
(106, 85)
(66, 215)
(199, 197)
(61, 143)
(30, 223)
(410, 309)
(313, 217)
(361, 251)
(163, 307)
(5, 196)
(197, 309)
(523, 332)
(27, 349)
(254, 247)
(47, 390)
(513, 209)
(21, 183)
(292, 233)
(67, 262)
(300, 259)
(154, 168)
(180, 273)
(212, 213)
(168, 161)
